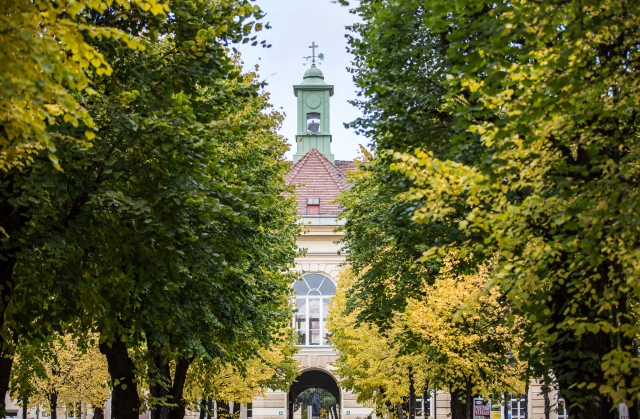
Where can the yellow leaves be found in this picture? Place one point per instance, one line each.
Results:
(473, 85)
(456, 316)
(368, 359)
(243, 383)
(45, 61)
(77, 374)
(158, 9)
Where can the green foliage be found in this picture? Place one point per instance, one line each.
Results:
(170, 233)
(382, 243)
(527, 146)
(46, 58)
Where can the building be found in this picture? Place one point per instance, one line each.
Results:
(318, 179)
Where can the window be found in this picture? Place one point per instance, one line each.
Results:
(313, 122)
(562, 409)
(249, 410)
(518, 407)
(313, 292)
(313, 206)
(424, 406)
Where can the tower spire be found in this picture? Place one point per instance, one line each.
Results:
(312, 57)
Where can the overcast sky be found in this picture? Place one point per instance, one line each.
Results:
(295, 24)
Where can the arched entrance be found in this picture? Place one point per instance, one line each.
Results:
(314, 395)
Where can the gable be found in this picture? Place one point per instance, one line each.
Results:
(315, 176)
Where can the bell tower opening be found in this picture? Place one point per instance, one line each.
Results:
(314, 395)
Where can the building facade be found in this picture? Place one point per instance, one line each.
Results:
(318, 179)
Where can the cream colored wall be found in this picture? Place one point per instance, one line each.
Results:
(319, 238)
(322, 255)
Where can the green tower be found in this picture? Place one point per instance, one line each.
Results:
(313, 111)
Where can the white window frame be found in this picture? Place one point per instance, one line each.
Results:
(425, 403)
(564, 403)
(520, 400)
(321, 298)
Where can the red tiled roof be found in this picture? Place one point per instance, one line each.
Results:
(345, 165)
(316, 177)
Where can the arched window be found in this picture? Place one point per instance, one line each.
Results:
(313, 292)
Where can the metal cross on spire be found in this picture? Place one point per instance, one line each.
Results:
(312, 57)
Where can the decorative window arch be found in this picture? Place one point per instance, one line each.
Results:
(313, 294)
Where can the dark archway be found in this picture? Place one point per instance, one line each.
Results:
(313, 379)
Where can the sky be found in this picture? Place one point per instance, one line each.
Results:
(295, 24)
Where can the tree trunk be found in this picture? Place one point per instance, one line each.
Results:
(590, 403)
(160, 382)
(12, 219)
(579, 359)
(399, 410)
(6, 348)
(177, 390)
(53, 401)
(462, 403)
(469, 400)
(98, 413)
(25, 406)
(223, 410)
(628, 343)
(457, 407)
(547, 403)
(125, 403)
(412, 396)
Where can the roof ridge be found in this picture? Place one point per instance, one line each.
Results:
(297, 166)
(325, 160)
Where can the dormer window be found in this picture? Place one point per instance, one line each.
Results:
(313, 206)
(313, 122)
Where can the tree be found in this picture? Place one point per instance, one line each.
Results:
(49, 59)
(551, 111)
(159, 210)
(370, 362)
(61, 372)
(46, 59)
(381, 242)
(242, 381)
(455, 337)
(472, 337)
(400, 68)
